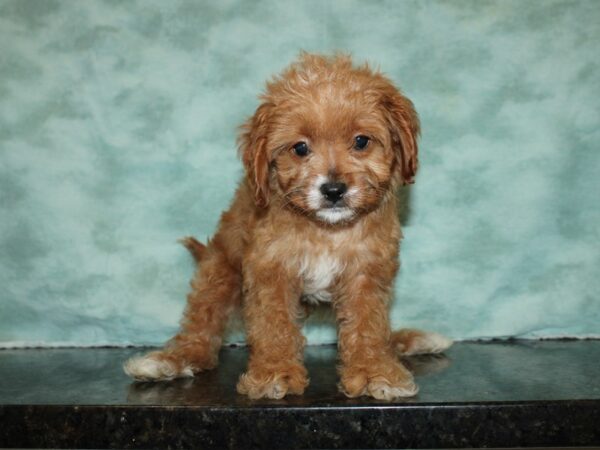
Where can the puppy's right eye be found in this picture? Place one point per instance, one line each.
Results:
(301, 149)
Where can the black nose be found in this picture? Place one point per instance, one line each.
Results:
(333, 191)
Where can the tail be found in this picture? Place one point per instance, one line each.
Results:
(196, 248)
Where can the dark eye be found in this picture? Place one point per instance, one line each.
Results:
(361, 142)
(301, 149)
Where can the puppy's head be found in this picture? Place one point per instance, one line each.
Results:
(330, 140)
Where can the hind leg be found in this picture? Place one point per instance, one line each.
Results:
(409, 341)
(216, 291)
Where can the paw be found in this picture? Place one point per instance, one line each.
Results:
(383, 382)
(273, 384)
(155, 367)
(416, 342)
(256, 389)
(382, 389)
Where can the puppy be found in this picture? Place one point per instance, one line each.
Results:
(315, 220)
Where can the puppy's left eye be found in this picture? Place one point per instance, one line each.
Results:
(361, 142)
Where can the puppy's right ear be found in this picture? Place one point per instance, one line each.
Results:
(253, 149)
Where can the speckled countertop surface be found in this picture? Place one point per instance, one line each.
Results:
(509, 394)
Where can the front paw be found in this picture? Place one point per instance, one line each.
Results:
(381, 380)
(273, 383)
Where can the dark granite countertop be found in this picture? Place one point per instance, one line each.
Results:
(498, 394)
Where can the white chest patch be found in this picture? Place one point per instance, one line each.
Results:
(319, 273)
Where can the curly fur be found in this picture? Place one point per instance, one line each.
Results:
(281, 245)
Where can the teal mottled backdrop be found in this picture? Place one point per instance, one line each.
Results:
(117, 137)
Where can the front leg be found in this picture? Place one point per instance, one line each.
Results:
(272, 316)
(369, 365)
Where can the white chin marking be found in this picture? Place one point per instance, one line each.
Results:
(334, 215)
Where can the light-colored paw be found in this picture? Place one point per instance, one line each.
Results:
(422, 342)
(383, 390)
(275, 389)
(152, 368)
(383, 381)
(431, 343)
(272, 385)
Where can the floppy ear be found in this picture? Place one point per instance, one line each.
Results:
(404, 126)
(253, 149)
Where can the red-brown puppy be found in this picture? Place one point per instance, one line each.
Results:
(314, 220)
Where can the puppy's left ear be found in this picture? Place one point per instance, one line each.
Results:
(404, 126)
(253, 149)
